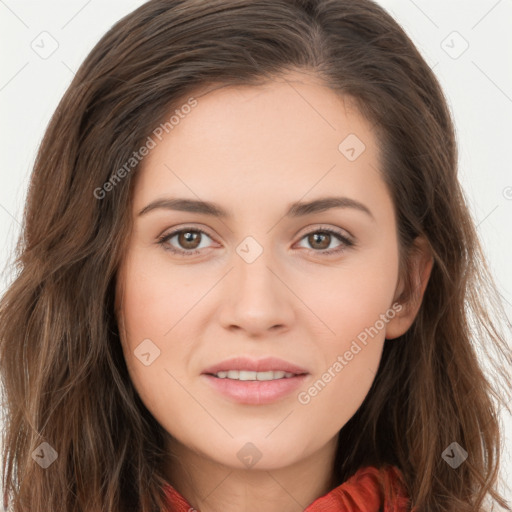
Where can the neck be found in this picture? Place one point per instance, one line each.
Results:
(210, 486)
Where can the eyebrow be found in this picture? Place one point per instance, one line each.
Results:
(297, 209)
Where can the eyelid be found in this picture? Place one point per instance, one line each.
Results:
(185, 227)
(313, 228)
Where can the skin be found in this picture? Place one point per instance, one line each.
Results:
(254, 151)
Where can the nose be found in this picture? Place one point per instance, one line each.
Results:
(257, 299)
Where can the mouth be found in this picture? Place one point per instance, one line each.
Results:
(246, 375)
(255, 382)
(255, 392)
(246, 368)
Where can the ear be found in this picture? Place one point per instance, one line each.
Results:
(411, 288)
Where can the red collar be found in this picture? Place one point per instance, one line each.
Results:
(369, 490)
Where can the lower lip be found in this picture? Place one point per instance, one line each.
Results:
(255, 392)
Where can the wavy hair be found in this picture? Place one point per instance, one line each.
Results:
(63, 374)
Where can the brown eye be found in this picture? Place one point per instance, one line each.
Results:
(189, 239)
(319, 240)
(185, 241)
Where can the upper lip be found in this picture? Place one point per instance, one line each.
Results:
(266, 364)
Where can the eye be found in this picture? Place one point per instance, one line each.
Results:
(321, 239)
(189, 241)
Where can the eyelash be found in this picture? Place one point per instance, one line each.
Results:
(164, 239)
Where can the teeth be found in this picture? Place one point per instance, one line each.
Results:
(247, 375)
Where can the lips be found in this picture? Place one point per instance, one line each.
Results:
(267, 364)
(254, 392)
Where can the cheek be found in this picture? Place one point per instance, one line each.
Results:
(353, 297)
(152, 302)
(154, 299)
(356, 305)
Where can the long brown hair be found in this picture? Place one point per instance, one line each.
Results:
(64, 378)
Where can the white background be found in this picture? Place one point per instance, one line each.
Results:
(477, 83)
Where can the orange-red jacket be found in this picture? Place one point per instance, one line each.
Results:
(368, 490)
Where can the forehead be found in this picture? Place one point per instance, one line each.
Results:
(280, 139)
(282, 114)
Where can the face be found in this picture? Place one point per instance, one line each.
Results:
(312, 287)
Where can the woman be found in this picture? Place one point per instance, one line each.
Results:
(248, 278)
